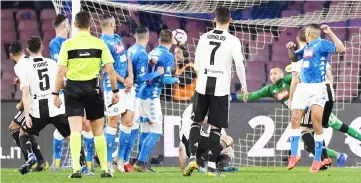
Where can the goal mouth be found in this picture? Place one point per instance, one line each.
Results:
(263, 28)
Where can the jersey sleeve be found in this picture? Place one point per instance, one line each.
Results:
(263, 92)
(297, 66)
(54, 49)
(106, 57)
(63, 55)
(327, 46)
(238, 60)
(197, 54)
(168, 65)
(24, 80)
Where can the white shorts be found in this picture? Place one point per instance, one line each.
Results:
(308, 94)
(150, 111)
(126, 102)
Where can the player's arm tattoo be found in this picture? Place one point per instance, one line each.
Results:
(292, 55)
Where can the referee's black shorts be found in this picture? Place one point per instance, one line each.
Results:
(217, 108)
(80, 95)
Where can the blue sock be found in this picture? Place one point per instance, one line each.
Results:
(141, 139)
(148, 146)
(89, 145)
(124, 138)
(57, 145)
(294, 140)
(132, 139)
(110, 138)
(318, 147)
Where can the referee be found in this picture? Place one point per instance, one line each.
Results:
(79, 60)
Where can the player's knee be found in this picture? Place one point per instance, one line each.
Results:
(227, 139)
(13, 126)
(113, 121)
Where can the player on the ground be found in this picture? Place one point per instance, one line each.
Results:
(139, 57)
(279, 90)
(62, 27)
(223, 161)
(124, 109)
(151, 112)
(18, 56)
(214, 55)
(312, 91)
(36, 85)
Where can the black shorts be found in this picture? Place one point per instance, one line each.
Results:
(202, 146)
(217, 108)
(60, 122)
(80, 95)
(306, 121)
(19, 118)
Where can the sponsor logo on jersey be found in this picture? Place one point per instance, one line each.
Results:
(119, 48)
(283, 94)
(308, 53)
(85, 54)
(213, 71)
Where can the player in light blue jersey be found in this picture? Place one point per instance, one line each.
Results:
(61, 26)
(139, 57)
(124, 109)
(151, 113)
(312, 91)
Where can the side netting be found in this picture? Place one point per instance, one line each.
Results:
(263, 27)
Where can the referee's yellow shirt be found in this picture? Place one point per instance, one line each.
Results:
(83, 55)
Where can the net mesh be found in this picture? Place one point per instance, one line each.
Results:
(263, 27)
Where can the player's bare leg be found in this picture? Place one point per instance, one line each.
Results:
(124, 139)
(297, 115)
(110, 132)
(101, 146)
(75, 123)
(316, 117)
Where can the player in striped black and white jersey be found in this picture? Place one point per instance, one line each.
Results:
(214, 56)
(17, 55)
(37, 81)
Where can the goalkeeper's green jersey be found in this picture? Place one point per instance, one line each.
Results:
(279, 91)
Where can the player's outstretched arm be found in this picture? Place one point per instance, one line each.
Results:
(294, 83)
(25, 88)
(261, 93)
(340, 48)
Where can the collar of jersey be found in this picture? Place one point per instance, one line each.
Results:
(59, 37)
(108, 36)
(314, 42)
(139, 45)
(83, 33)
(162, 47)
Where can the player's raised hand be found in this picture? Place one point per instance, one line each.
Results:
(245, 94)
(326, 29)
(291, 45)
(29, 122)
(57, 101)
(16, 81)
(160, 70)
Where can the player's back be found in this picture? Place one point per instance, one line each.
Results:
(159, 57)
(214, 56)
(40, 75)
(119, 53)
(139, 57)
(55, 46)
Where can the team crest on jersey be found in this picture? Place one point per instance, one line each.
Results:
(308, 53)
(119, 48)
(283, 94)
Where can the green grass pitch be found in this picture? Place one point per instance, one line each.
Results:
(172, 175)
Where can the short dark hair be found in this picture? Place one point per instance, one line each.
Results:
(165, 36)
(83, 19)
(58, 20)
(34, 44)
(15, 48)
(314, 26)
(223, 14)
(141, 31)
(301, 35)
(105, 17)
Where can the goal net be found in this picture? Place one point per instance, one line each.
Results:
(263, 27)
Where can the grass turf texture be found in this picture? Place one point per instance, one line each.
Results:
(172, 175)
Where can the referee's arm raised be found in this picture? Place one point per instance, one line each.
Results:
(241, 71)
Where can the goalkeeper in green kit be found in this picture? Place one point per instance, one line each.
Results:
(280, 89)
